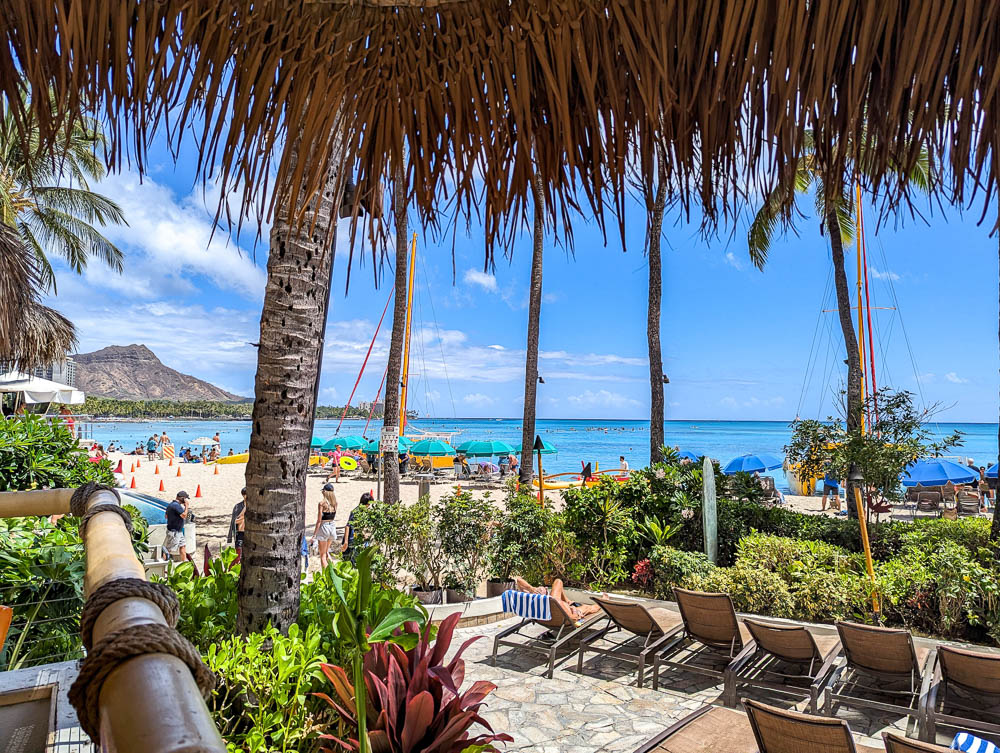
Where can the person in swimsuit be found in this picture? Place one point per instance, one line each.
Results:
(326, 530)
(576, 611)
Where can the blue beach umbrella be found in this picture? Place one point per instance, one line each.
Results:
(484, 449)
(991, 472)
(751, 463)
(938, 472)
(689, 455)
(547, 448)
(432, 447)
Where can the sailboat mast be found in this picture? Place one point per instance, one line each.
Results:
(861, 313)
(406, 338)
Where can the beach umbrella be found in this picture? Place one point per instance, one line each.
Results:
(938, 472)
(991, 472)
(751, 463)
(475, 448)
(316, 442)
(349, 442)
(547, 448)
(432, 447)
(689, 455)
(405, 442)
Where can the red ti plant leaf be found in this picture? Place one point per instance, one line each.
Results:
(419, 713)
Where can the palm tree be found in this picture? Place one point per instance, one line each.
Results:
(531, 349)
(655, 206)
(836, 213)
(391, 416)
(292, 329)
(46, 196)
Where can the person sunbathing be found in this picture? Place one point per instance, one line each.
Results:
(575, 610)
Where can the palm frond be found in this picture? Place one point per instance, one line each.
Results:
(73, 239)
(82, 203)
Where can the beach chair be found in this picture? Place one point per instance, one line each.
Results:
(711, 632)
(929, 502)
(968, 503)
(762, 729)
(898, 744)
(964, 692)
(560, 631)
(874, 659)
(645, 631)
(777, 650)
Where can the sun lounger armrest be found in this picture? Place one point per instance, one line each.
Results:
(662, 641)
(933, 678)
(828, 666)
(597, 634)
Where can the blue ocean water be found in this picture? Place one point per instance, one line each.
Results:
(576, 440)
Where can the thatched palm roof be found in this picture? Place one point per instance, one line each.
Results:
(470, 94)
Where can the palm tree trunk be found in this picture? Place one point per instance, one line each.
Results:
(995, 528)
(854, 397)
(292, 327)
(656, 412)
(531, 349)
(391, 415)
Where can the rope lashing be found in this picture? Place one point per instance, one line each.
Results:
(78, 506)
(124, 588)
(120, 646)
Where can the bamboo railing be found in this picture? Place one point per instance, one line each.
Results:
(151, 702)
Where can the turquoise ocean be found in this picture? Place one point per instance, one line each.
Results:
(576, 440)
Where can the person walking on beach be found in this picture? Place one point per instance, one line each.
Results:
(177, 512)
(325, 532)
(237, 524)
(347, 546)
(335, 456)
(984, 488)
(151, 446)
(830, 485)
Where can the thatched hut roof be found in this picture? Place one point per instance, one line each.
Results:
(474, 95)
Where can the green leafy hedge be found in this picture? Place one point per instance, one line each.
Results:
(37, 453)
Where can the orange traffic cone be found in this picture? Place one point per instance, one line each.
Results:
(156, 471)
(132, 469)
(132, 485)
(178, 471)
(216, 472)
(161, 486)
(197, 492)
(171, 462)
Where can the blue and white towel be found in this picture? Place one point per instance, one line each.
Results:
(972, 744)
(528, 606)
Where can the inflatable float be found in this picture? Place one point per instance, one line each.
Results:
(230, 459)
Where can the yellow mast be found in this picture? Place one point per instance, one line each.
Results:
(406, 338)
(861, 320)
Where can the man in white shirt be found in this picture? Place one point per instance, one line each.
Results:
(623, 464)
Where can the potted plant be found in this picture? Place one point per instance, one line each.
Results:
(423, 553)
(465, 525)
(517, 541)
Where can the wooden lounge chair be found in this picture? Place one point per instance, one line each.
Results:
(964, 692)
(763, 729)
(776, 650)
(875, 655)
(711, 631)
(898, 744)
(654, 626)
(559, 632)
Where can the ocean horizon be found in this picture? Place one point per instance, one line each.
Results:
(597, 441)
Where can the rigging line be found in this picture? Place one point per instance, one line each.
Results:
(365, 363)
(437, 331)
(425, 382)
(832, 353)
(812, 351)
(375, 401)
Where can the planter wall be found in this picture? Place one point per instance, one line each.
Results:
(497, 587)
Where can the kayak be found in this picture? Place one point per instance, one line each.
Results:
(228, 459)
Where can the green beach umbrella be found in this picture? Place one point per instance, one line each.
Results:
(432, 447)
(349, 442)
(547, 448)
(475, 448)
(316, 442)
(405, 442)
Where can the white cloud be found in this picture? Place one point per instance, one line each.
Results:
(734, 261)
(478, 398)
(954, 378)
(879, 275)
(602, 399)
(495, 347)
(482, 279)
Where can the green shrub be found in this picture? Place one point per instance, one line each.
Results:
(753, 591)
(518, 540)
(674, 567)
(823, 596)
(383, 526)
(38, 453)
(967, 593)
(560, 557)
(465, 525)
(208, 603)
(602, 521)
(791, 558)
(973, 534)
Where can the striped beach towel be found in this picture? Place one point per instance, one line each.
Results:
(528, 606)
(972, 744)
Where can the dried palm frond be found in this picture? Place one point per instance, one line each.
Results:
(469, 100)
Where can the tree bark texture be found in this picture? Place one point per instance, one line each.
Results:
(854, 397)
(292, 328)
(995, 528)
(393, 374)
(531, 348)
(656, 411)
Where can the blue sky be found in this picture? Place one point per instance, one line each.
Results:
(736, 341)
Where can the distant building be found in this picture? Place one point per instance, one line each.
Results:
(63, 372)
(375, 408)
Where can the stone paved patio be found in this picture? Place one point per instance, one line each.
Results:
(601, 709)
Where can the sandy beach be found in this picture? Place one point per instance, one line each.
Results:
(219, 492)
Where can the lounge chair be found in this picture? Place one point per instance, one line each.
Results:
(560, 631)
(964, 692)
(763, 729)
(655, 627)
(968, 503)
(775, 651)
(878, 655)
(710, 630)
(929, 502)
(898, 744)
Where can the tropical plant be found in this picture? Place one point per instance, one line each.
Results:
(531, 345)
(465, 524)
(415, 698)
(38, 452)
(518, 540)
(604, 529)
(47, 197)
(674, 567)
(835, 211)
(208, 603)
(656, 532)
(385, 527)
(263, 700)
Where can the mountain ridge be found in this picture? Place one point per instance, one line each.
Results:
(133, 372)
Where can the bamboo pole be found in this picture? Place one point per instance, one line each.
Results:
(856, 481)
(149, 703)
(40, 502)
